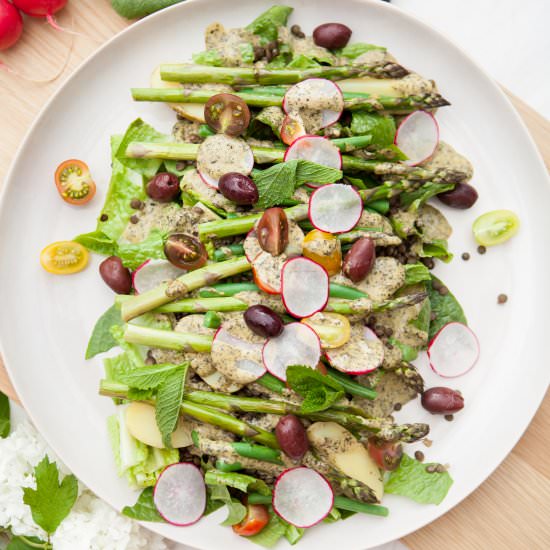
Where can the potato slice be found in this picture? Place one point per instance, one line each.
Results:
(142, 424)
(191, 111)
(340, 449)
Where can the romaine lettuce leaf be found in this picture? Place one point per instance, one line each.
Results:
(266, 25)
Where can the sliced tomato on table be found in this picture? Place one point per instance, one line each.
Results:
(74, 182)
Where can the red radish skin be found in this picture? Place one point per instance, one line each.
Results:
(317, 149)
(11, 25)
(418, 137)
(302, 497)
(167, 491)
(208, 180)
(452, 365)
(40, 8)
(322, 289)
(330, 225)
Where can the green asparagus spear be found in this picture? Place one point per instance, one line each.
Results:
(200, 74)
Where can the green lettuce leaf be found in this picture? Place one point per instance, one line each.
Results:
(381, 128)
(302, 62)
(446, 308)
(271, 533)
(98, 242)
(266, 25)
(416, 273)
(236, 511)
(126, 184)
(208, 57)
(140, 131)
(352, 51)
(412, 480)
(242, 482)
(144, 509)
(102, 338)
(134, 254)
(436, 249)
(5, 424)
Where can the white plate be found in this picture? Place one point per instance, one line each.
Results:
(46, 320)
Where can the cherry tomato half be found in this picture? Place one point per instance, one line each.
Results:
(324, 249)
(291, 130)
(387, 454)
(185, 251)
(333, 329)
(255, 520)
(64, 258)
(227, 114)
(74, 182)
(495, 227)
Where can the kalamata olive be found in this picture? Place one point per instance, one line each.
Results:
(441, 400)
(227, 114)
(292, 436)
(332, 35)
(359, 260)
(462, 196)
(387, 454)
(185, 251)
(164, 187)
(238, 188)
(115, 275)
(272, 231)
(263, 321)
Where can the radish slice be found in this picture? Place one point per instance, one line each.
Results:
(304, 287)
(220, 154)
(153, 273)
(316, 149)
(318, 101)
(291, 129)
(453, 351)
(335, 208)
(237, 352)
(180, 494)
(297, 345)
(418, 136)
(363, 353)
(302, 497)
(313, 185)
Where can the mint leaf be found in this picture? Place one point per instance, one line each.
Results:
(51, 501)
(5, 424)
(168, 403)
(144, 509)
(412, 480)
(446, 308)
(318, 390)
(149, 377)
(97, 242)
(278, 183)
(134, 254)
(102, 338)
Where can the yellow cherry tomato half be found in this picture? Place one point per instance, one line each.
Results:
(324, 249)
(333, 329)
(74, 182)
(64, 258)
(495, 227)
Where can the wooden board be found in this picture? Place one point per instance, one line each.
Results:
(511, 509)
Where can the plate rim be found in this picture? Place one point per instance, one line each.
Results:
(398, 12)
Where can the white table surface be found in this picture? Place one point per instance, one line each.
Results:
(510, 39)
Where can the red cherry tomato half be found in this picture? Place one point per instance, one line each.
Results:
(255, 520)
(74, 182)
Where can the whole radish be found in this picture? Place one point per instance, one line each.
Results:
(11, 25)
(40, 8)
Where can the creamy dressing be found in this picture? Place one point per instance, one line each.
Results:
(220, 154)
(167, 217)
(372, 58)
(358, 354)
(261, 298)
(445, 157)
(433, 225)
(192, 182)
(306, 46)
(229, 43)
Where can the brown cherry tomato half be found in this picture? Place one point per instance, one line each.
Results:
(291, 129)
(74, 182)
(387, 454)
(257, 517)
(227, 114)
(185, 251)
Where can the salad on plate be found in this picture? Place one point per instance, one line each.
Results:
(271, 260)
